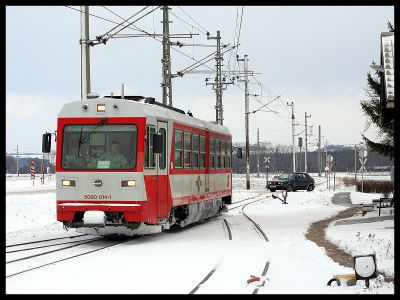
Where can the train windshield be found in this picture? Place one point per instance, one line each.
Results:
(99, 147)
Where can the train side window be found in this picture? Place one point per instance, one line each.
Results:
(202, 151)
(195, 144)
(223, 153)
(188, 151)
(218, 153)
(212, 149)
(163, 155)
(149, 154)
(228, 154)
(178, 149)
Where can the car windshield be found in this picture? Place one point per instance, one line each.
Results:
(285, 176)
(106, 147)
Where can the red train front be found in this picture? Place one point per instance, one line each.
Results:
(133, 165)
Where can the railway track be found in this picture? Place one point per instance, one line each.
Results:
(247, 199)
(30, 260)
(230, 236)
(46, 240)
(261, 231)
(228, 227)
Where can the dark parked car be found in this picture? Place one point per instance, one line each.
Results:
(292, 182)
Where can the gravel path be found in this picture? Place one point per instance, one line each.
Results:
(316, 234)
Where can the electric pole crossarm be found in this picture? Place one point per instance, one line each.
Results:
(199, 63)
(176, 35)
(105, 37)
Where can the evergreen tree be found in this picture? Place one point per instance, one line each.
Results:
(372, 109)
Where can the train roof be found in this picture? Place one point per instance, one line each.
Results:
(134, 106)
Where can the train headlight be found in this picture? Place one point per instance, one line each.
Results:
(128, 183)
(101, 108)
(68, 182)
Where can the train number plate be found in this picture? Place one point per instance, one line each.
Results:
(96, 197)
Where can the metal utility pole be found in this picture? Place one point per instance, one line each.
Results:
(17, 163)
(246, 81)
(258, 152)
(85, 54)
(218, 85)
(355, 162)
(326, 156)
(294, 157)
(319, 150)
(305, 153)
(300, 144)
(166, 60)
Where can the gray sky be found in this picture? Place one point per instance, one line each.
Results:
(317, 57)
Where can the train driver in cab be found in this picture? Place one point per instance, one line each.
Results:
(112, 159)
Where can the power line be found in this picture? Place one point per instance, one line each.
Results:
(115, 14)
(183, 21)
(240, 28)
(205, 30)
(141, 30)
(234, 39)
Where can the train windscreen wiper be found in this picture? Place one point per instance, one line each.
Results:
(83, 139)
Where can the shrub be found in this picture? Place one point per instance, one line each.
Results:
(349, 181)
(376, 186)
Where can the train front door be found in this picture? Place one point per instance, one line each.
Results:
(162, 171)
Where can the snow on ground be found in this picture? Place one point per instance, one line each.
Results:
(24, 183)
(176, 261)
(367, 238)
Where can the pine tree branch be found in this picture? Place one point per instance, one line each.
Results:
(384, 149)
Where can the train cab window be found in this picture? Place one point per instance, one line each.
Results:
(163, 155)
(212, 154)
(187, 156)
(202, 151)
(149, 154)
(94, 146)
(195, 144)
(223, 154)
(218, 153)
(178, 149)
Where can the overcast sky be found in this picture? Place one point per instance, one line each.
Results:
(317, 57)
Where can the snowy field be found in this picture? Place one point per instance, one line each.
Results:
(176, 261)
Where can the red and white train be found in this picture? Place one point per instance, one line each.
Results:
(134, 165)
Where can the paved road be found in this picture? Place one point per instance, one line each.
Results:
(364, 220)
(343, 199)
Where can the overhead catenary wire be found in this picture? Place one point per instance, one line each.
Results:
(234, 40)
(134, 21)
(183, 21)
(125, 20)
(141, 30)
(238, 38)
(205, 30)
